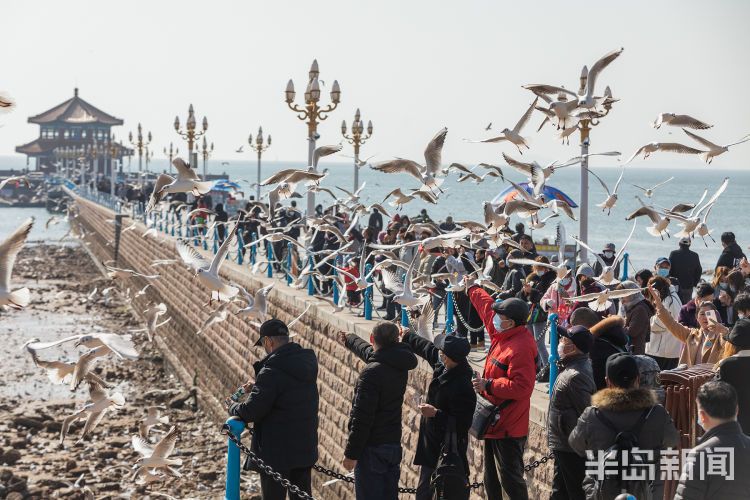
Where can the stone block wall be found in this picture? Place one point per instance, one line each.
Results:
(223, 355)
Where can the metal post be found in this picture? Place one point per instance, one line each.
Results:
(356, 169)
(232, 490)
(624, 267)
(583, 206)
(205, 239)
(310, 283)
(240, 246)
(404, 316)
(449, 321)
(254, 248)
(289, 263)
(216, 240)
(368, 293)
(257, 189)
(270, 258)
(336, 291)
(553, 357)
(311, 195)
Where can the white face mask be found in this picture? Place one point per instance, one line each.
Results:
(496, 323)
(561, 350)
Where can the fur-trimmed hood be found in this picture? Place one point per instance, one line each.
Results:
(611, 328)
(616, 399)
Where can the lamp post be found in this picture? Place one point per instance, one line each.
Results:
(313, 113)
(114, 152)
(259, 148)
(190, 134)
(206, 152)
(171, 154)
(588, 119)
(357, 139)
(140, 144)
(93, 151)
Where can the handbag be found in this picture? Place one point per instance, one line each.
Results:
(485, 415)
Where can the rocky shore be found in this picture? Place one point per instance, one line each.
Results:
(33, 464)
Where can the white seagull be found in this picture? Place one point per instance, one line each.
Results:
(17, 299)
(208, 272)
(609, 203)
(713, 149)
(514, 136)
(679, 121)
(601, 300)
(669, 147)
(660, 223)
(100, 402)
(607, 276)
(257, 305)
(427, 175)
(187, 181)
(157, 456)
(650, 191)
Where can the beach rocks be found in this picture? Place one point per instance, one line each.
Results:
(10, 457)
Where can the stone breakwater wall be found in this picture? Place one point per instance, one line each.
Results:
(223, 355)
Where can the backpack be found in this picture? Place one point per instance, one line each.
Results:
(450, 480)
(618, 462)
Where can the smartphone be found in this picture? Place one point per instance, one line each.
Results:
(474, 374)
(711, 316)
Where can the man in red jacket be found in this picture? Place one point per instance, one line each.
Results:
(509, 373)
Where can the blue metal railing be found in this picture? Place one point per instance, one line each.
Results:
(368, 293)
(449, 321)
(624, 267)
(553, 356)
(232, 490)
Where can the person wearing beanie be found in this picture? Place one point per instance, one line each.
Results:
(624, 405)
(734, 368)
(449, 404)
(508, 375)
(570, 395)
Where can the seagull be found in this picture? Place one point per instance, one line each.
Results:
(9, 249)
(492, 220)
(352, 197)
(292, 176)
(679, 121)
(660, 223)
(713, 149)
(601, 300)
(514, 135)
(402, 292)
(589, 101)
(7, 103)
(208, 272)
(257, 306)
(187, 181)
(118, 272)
(670, 147)
(239, 149)
(692, 221)
(216, 316)
(650, 191)
(152, 316)
(403, 199)
(425, 321)
(427, 174)
(609, 203)
(153, 418)
(157, 456)
(323, 151)
(94, 411)
(489, 126)
(541, 223)
(562, 268)
(17, 179)
(607, 276)
(60, 372)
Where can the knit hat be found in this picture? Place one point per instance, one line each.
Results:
(740, 334)
(622, 369)
(455, 347)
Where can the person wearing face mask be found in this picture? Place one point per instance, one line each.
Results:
(728, 290)
(702, 345)
(514, 278)
(508, 375)
(723, 442)
(734, 368)
(704, 292)
(553, 301)
(570, 395)
(450, 399)
(283, 406)
(588, 284)
(638, 312)
(663, 347)
(608, 256)
(663, 268)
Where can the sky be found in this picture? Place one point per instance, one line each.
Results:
(412, 67)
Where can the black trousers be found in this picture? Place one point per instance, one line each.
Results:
(569, 472)
(503, 469)
(424, 488)
(271, 490)
(665, 363)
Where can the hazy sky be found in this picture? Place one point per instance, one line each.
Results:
(411, 66)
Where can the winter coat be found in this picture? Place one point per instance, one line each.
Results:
(571, 394)
(624, 407)
(598, 267)
(638, 325)
(513, 282)
(375, 417)
(663, 344)
(730, 256)
(733, 370)
(452, 393)
(686, 316)
(510, 369)
(715, 486)
(283, 406)
(539, 286)
(710, 344)
(685, 266)
(610, 337)
(438, 266)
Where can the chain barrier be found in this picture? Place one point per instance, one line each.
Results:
(537, 463)
(457, 311)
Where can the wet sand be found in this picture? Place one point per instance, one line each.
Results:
(32, 464)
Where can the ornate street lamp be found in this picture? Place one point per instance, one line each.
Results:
(140, 143)
(171, 154)
(206, 152)
(190, 134)
(357, 138)
(260, 149)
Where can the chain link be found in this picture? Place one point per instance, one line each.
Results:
(537, 463)
(457, 312)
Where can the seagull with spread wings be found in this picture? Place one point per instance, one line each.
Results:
(187, 181)
(94, 411)
(609, 203)
(514, 136)
(713, 149)
(208, 272)
(668, 147)
(401, 199)
(649, 192)
(428, 174)
(679, 121)
(660, 223)
(17, 179)
(600, 301)
(257, 305)
(157, 456)
(607, 276)
(17, 299)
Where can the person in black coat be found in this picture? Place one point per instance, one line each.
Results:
(686, 267)
(373, 448)
(450, 394)
(732, 253)
(610, 337)
(375, 221)
(221, 216)
(734, 369)
(283, 405)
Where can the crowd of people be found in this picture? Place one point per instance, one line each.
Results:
(605, 396)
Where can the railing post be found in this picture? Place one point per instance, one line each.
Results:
(269, 245)
(240, 246)
(404, 316)
(624, 267)
(179, 227)
(205, 239)
(553, 357)
(254, 248)
(195, 236)
(368, 293)
(335, 288)
(174, 217)
(232, 490)
(289, 263)
(310, 284)
(216, 239)
(161, 220)
(449, 321)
